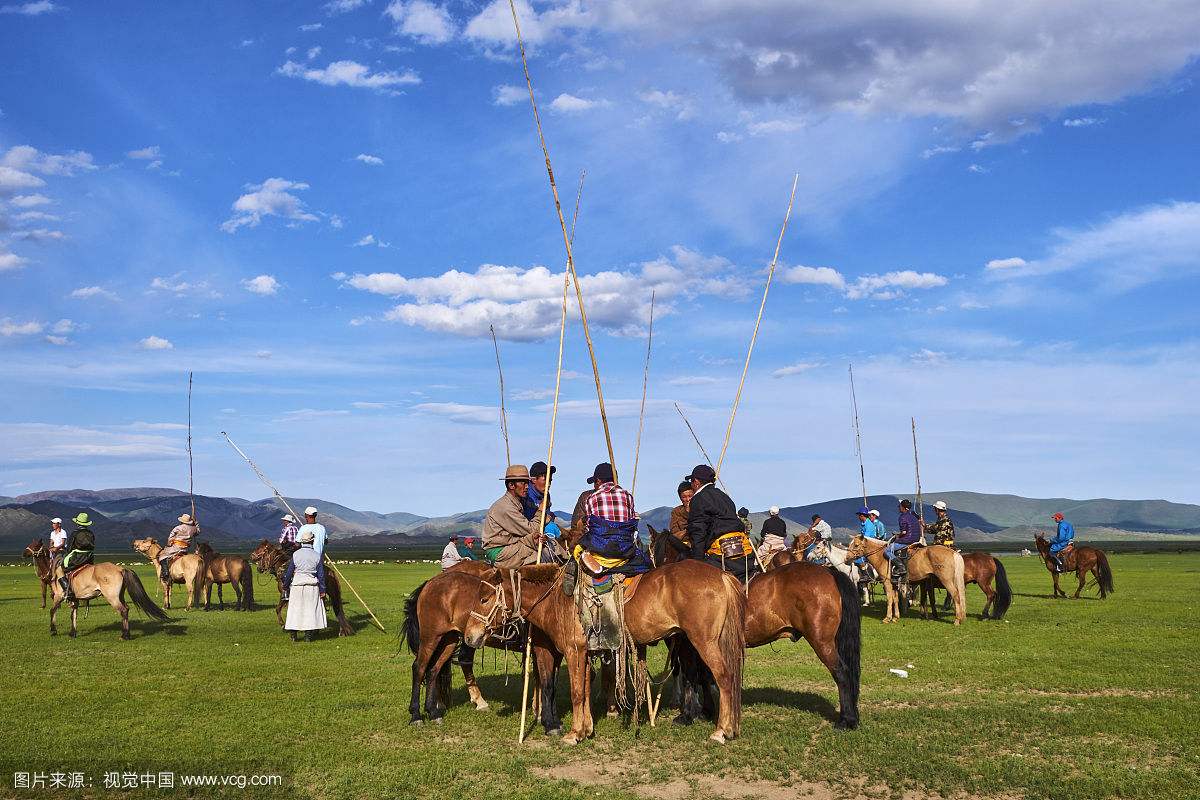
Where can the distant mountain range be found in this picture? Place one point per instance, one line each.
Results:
(122, 515)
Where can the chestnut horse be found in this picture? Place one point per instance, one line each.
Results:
(980, 569)
(223, 569)
(938, 560)
(689, 597)
(110, 581)
(187, 569)
(40, 554)
(795, 599)
(269, 557)
(1082, 560)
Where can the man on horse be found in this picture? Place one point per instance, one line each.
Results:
(1063, 539)
(821, 536)
(611, 529)
(178, 543)
(718, 535)
(450, 553)
(909, 533)
(679, 514)
(80, 551)
(510, 539)
(880, 528)
(942, 529)
(531, 506)
(774, 534)
(320, 535)
(287, 536)
(58, 542)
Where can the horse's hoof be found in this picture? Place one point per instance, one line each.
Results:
(416, 721)
(554, 732)
(438, 721)
(612, 714)
(717, 737)
(482, 705)
(682, 720)
(571, 739)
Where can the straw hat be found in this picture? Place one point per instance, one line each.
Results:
(516, 472)
(186, 519)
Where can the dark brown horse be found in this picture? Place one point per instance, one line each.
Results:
(40, 554)
(689, 598)
(980, 569)
(272, 558)
(1081, 561)
(224, 569)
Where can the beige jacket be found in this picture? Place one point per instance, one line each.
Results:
(505, 525)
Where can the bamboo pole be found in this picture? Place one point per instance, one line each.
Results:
(503, 413)
(917, 466)
(191, 472)
(262, 477)
(567, 243)
(562, 331)
(862, 473)
(737, 399)
(696, 439)
(637, 450)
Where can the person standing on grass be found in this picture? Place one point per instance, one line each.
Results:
(305, 581)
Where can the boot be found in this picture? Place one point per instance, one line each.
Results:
(66, 587)
(293, 635)
(308, 636)
(164, 571)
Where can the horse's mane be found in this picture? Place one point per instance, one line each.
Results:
(539, 573)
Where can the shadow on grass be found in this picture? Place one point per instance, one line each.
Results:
(137, 628)
(1051, 597)
(799, 701)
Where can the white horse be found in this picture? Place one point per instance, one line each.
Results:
(837, 560)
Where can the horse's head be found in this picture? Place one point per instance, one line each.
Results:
(858, 547)
(35, 547)
(260, 556)
(143, 545)
(488, 613)
(205, 549)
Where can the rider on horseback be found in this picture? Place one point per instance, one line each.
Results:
(1063, 539)
(80, 551)
(718, 535)
(178, 544)
(909, 534)
(941, 530)
(774, 531)
(821, 535)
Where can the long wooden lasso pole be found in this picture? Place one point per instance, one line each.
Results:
(637, 450)
(917, 466)
(562, 331)
(262, 477)
(503, 412)
(766, 289)
(862, 472)
(191, 473)
(566, 240)
(696, 439)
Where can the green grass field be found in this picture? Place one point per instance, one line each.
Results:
(1083, 699)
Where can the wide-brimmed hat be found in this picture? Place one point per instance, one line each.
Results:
(538, 469)
(516, 472)
(306, 537)
(82, 520)
(603, 473)
(56, 521)
(186, 519)
(703, 473)
(311, 511)
(288, 518)
(940, 505)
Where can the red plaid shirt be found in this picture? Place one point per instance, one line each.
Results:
(610, 502)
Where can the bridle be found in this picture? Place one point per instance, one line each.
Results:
(497, 606)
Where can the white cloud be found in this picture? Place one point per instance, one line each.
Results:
(64, 326)
(369, 240)
(460, 412)
(533, 394)
(150, 153)
(32, 9)
(335, 221)
(938, 150)
(13, 180)
(679, 105)
(10, 261)
(794, 369)
(155, 343)
(570, 104)
(367, 406)
(58, 341)
(177, 286)
(819, 276)
(87, 292)
(774, 126)
(344, 6)
(350, 73)
(10, 328)
(272, 198)
(508, 95)
(978, 170)
(36, 443)
(39, 235)
(31, 216)
(30, 200)
(1006, 263)
(263, 354)
(693, 380)
(308, 28)
(263, 285)
(29, 159)
(892, 285)
(370, 160)
(728, 137)
(313, 52)
(422, 20)
(1080, 122)
(494, 25)
(929, 357)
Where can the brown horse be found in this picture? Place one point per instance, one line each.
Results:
(938, 560)
(224, 569)
(270, 557)
(1081, 560)
(40, 554)
(110, 581)
(980, 569)
(455, 607)
(688, 597)
(188, 569)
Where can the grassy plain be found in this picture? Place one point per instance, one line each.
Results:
(1078, 700)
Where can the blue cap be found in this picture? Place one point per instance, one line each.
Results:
(866, 512)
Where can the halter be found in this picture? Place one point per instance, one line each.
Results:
(35, 553)
(497, 606)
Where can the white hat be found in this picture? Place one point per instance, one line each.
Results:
(288, 518)
(306, 537)
(874, 512)
(310, 510)
(56, 521)
(940, 505)
(774, 511)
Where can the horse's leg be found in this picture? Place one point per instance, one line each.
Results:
(54, 614)
(421, 664)
(985, 585)
(1081, 574)
(548, 662)
(74, 619)
(608, 687)
(166, 590)
(237, 591)
(466, 662)
(220, 597)
(434, 704)
(710, 654)
(43, 594)
(577, 668)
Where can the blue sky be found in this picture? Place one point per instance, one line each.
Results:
(320, 207)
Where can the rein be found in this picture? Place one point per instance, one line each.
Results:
(498, 588)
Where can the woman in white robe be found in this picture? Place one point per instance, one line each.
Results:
(305, 579)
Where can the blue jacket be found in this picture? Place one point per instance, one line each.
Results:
(610, 539)
(1066, 533)
(868, 528)
(910, 528)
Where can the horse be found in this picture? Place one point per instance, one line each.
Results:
(228, 569)
(188, 569)
(938, 560)
(689, 597)
(821, 605)
(1081, 559)
(269, 557)
(38, 551)
(837, 560)
(980, 569)
(455, 607)
(110, 581)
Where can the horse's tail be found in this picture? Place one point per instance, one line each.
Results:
(247, 586)
(849, 648)
(1003, 591)
(137, 593)
(201, 580)
(731, 642)
(411, 629)
(1103, 574)
(960, 575)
